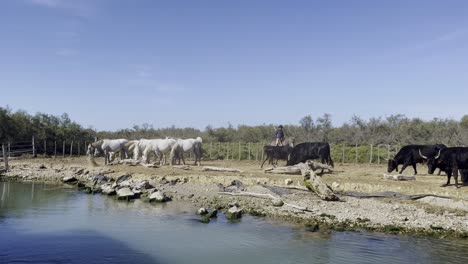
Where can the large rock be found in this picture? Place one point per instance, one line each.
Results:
(158, 197)
(277, 202)
(123, 178)
(69, 179)
(124, 184)
(143, 185)
(212, 214)
(107, 189)
(202, 211)
(100, 179)
(125, 194)
(234, 213)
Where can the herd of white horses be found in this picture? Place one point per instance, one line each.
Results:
(143, 149)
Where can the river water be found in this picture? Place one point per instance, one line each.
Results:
(51, 224)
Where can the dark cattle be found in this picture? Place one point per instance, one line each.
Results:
(310, 151)
(411, 155)
(273, 153)
(450, 160)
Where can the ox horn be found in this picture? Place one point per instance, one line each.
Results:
(438, 155)
(420, 154)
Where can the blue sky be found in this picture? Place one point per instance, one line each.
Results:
(110, 64)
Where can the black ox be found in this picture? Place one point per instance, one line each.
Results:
(275, 153)
(411, 155)
(450, 160)
(310, 151)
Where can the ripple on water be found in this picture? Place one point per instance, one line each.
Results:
(55, 226)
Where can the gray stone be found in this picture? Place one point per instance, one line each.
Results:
(158, 197)
(212, 214)
(202, 211)
(124, 184)
(125, 193)
(123, 178)
(143, 185)
(277, 202)
(107, 189)
(69, 178)
(233, 213)
(335, 185)
(100, 179)
(233, 204)
(288, 181)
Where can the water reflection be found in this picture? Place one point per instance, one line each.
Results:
(44, 223)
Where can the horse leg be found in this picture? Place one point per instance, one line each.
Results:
(106, 155)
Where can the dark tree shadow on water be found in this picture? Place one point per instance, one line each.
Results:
(79, 246)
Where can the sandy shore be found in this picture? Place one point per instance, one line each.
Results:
(427, 216)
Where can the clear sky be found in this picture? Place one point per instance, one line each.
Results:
(110, 64)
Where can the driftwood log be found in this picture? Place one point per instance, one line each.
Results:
(296, 169)
(315, 183)
(266, 196)
(211, 168)
(182, 167)
(399, 177)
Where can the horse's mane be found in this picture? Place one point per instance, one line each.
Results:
(97, 143)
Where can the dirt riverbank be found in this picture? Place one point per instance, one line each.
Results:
(428, 216)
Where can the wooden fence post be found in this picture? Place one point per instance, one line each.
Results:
(256, 152)
(63, 150)
(263, 152)
(240, 152)
(211, 147)
(370, 160)
(33, 147)
(227, 150)
(9, 149)
(343, 154)
(378, 154)
(71, 149)
(356, 161)
(5, 156)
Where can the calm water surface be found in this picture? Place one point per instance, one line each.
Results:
(49, 224)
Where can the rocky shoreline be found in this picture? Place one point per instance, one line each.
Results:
(205, 191)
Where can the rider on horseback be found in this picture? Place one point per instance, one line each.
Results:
(279, 134)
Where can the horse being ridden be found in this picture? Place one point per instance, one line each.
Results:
(107, 146)
(193, 145)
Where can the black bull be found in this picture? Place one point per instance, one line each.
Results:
(450, 160)
(410, 155)
(273, 153)
(309, 151)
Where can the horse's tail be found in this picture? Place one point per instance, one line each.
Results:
(198, 152)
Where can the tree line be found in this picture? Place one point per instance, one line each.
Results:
(398, 129)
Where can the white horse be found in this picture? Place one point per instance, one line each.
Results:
(140, 147)
(193, 145)
(107, 146)
(159, 147)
